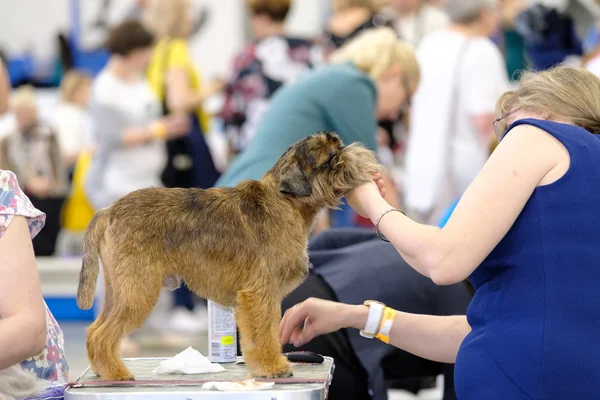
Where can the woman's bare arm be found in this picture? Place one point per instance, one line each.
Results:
(436, 338)
(484, 214)
(23, 323)
(432, 337)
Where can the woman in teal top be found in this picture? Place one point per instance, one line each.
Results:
(370, 78)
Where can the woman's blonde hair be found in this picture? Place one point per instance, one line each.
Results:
(16, 383)
(375, 50)
(566, 93)
(24, 96)
(164, 17)
(71, 83)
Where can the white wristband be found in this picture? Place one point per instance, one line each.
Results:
(373, 320)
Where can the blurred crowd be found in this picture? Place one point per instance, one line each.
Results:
(148, 118)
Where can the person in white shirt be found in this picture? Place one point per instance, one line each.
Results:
(417, 18)
(71, 115)
(452, 115)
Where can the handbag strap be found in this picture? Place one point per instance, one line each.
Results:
(164, 69)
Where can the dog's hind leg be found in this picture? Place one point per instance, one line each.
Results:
(104, 313)
(258, 314)
(134, 297)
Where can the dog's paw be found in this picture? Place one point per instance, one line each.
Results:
(282, 369)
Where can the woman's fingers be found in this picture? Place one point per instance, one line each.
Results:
(292, 320)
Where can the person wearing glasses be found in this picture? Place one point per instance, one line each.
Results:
(463, 73)
(371, 77)
(525, 233)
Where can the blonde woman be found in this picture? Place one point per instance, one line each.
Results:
(71, 115)
(526, 234)
(177, 83)
(370, 78)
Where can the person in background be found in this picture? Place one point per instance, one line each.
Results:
(33, 153)
(71, 115)
(463, 73)
(30, 338)
(511, 42)
(415, 19)
(371, 77)
(128, 128)
(349, 19)
(178, 85)
(272, 60)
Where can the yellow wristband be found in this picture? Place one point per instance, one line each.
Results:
(158, 130)
(389, 314)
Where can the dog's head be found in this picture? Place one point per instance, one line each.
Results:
(319, 170)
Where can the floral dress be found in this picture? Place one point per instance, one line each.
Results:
(51, 364)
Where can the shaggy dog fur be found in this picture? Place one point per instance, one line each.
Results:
(243, 247)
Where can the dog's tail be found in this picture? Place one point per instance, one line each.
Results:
(90, 265)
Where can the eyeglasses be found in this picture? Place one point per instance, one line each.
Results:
(500, 129)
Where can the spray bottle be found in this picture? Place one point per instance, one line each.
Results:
(222, 334)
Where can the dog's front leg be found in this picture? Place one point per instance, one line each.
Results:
(257, 315)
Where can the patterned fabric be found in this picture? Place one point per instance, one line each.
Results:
(51, 364)
(258, 72)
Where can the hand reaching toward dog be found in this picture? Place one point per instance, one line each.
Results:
(315, 317)
(365, 197)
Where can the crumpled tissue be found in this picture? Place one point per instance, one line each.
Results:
(188, 362)
(246, 385)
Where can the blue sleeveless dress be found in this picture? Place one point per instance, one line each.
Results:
(535, 317)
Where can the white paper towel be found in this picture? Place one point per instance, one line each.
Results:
(242, 386)
(188, 362)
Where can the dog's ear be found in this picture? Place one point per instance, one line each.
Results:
(294, 182)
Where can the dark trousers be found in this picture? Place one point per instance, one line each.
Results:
(202, 174)
(44, 244)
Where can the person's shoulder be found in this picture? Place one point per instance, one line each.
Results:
(434, 16)
(14, 202)
(433, 40)
(105, 88)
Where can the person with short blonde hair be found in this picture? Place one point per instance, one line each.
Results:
(71, 115)
(525, 234)
(372, 77)
(376, 51)
(32, 152)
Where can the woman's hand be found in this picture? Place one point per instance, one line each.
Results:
(39, 186)
(315, 317)
(177, 125)
(363, 198)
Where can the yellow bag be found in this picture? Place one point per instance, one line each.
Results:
(77, 211)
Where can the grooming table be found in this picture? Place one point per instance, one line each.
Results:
(310, 382)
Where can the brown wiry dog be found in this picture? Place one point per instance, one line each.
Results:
(243, 247)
